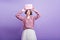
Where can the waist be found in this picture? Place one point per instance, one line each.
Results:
(29, 27)
(28, 30)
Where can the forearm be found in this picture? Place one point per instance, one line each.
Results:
(19, 13)
(18, 16)
(36, 12)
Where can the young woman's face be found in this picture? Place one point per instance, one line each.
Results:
(28, 12)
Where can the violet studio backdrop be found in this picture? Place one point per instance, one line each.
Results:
(47, 27)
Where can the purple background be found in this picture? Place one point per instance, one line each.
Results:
(47, 27)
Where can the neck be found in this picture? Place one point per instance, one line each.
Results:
(28, 17)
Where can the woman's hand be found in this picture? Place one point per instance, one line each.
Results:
(23, 10)
(33, 9)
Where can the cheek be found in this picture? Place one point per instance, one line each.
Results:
(28, 12)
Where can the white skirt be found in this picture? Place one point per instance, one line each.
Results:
(28, 34)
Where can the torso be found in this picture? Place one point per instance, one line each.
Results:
(28, 23)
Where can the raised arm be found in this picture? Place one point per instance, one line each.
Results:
(37, 14)
(18, 15)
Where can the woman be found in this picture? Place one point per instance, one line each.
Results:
(28, 21)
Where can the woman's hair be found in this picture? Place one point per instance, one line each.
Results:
(30, 12)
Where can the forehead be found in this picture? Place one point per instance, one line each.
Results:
(28, 10)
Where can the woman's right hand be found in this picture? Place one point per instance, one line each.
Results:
(23, 10)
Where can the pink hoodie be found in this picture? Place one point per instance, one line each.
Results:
(28, 23)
